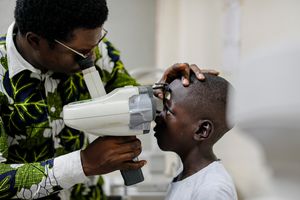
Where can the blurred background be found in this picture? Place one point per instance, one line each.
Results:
(217, 34)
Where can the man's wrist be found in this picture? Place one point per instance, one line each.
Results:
(68, 170)
(85, 169)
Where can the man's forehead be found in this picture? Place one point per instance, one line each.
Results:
(86, 37)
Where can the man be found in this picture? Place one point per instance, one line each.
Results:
(40, 156)
(193, 120)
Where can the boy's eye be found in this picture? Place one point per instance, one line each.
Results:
(167, 95)
(168, 112)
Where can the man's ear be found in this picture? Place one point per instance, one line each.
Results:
(204, 130)
(33, 40)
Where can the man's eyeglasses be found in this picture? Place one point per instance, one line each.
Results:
(103, 33)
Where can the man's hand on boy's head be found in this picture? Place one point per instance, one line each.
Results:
(182, 70)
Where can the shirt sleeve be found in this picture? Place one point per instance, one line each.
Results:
(39, 179)
(112, 70)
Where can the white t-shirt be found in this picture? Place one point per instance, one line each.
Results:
(210, 183)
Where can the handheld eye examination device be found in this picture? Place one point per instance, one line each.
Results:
(125, 111)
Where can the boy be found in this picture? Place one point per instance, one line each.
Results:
(193, 120)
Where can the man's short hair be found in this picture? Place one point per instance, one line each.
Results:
(57, 19)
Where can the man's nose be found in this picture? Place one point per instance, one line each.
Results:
(91, 54)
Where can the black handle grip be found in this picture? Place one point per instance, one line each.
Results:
(132, 177)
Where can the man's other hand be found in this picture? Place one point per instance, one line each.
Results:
(107, 154)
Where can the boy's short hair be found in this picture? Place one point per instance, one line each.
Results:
(210, 97)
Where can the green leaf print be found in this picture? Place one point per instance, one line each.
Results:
(3, 61)
(28, 175)
(23, 108)
(4, 188)
(3, 140)
(37, 130)
(54, 101)
(72, 138)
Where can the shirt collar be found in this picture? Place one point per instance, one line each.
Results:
(16, 63)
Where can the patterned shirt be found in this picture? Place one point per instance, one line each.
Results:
(39, 155)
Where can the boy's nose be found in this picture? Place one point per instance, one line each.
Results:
(158, 118)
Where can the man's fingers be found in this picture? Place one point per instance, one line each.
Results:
(131, 165)
(121, 139)
(129, 155)
(133, 148)
(197, 71)
(182, 70)
(175, 71)
(171, 73)
(210, 71)
(200, 73)
(185, 74)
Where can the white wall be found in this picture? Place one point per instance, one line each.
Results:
(192, 30)
(131, 26)
(6, 14)
(266, 22)
(167, 48)
(189, 31)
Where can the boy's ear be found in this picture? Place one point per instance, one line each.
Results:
(204, 130)
(33, 40)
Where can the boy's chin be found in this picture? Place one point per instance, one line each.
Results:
(160, 144)
(157, 131)
(158, 136)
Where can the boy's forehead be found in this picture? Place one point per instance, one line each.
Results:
(175, 84)
(177, 89)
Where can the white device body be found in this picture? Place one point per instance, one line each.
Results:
(106, 115)
(93, 81)
(123, 112)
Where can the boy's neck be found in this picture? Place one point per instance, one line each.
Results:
(195, 161)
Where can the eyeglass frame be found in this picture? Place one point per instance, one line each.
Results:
(76, 52)
(165, 87)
